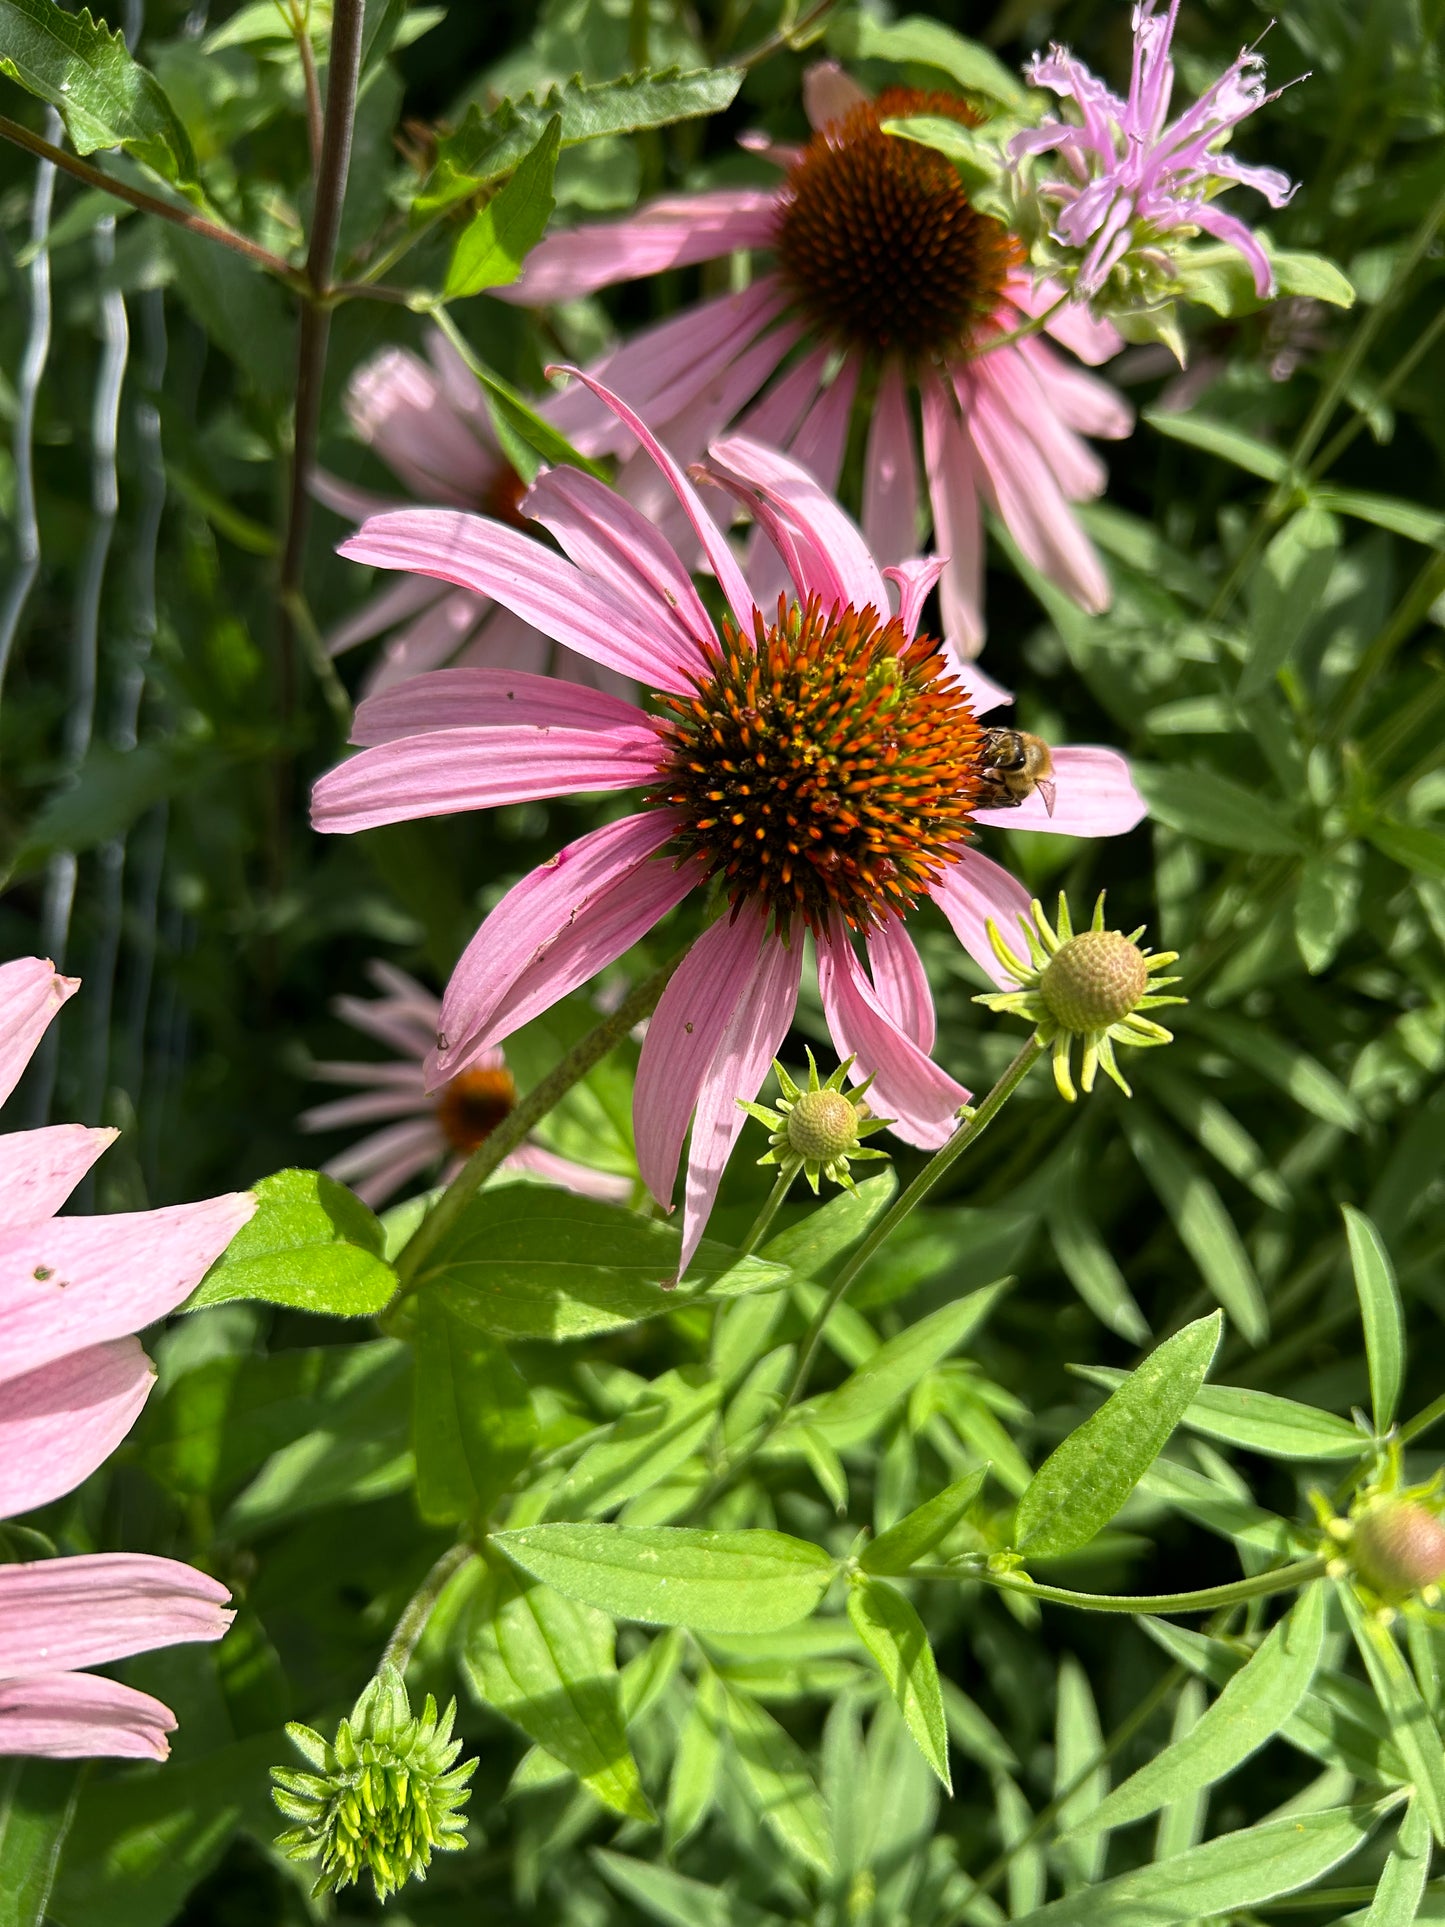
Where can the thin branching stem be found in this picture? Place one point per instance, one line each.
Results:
(1208, 1600)
(406, 1636)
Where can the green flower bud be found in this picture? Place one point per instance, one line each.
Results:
(823, 1125)
(1094, 980)
(1398, 1547)
(816, 1128)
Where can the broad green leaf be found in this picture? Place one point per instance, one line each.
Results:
(1410, 845)
(1085, 1480)
(1223, 439)
(1205, 1228)
(900, 1363)
(1397, 1898)
(1250, 1711)
(1287, 591)
(494, 243)
(1261, 1048)
(894, 1634)
(1380, 1313)
(674, 1899)
(311, 1244)
(650, 1441)
(777, 1776)
(1225, 1875)
(1220, 278)
(1281, 1428)
(1215, 809)
(248, 316)
(473, 1424)
(110, 791)
(548, 1664)
(37, 1805)
(921, 1530)
(717, 1582)
(1081, 1776)
(1414, 1731)
(105, 98)
(642, 1682)
(1409, 519)
(828, 1231)
(527, 1261)
(918, 40)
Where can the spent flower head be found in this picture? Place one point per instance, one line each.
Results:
(1392, 1543)
(817, 1127)
(384, 1794)
(1093, 986)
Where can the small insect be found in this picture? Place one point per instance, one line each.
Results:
(1012, 765)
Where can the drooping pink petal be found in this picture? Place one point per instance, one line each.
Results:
(440, 634)
(30, 994)
(374, 1073)
(901, 982)
(915, 580)
(665, 234)
(1074, 465)
(829, 93)
(57, 1614)
(75, 1716)
(347, 498)
(368, 1107)
(380, 1164)
(974, 891)
(1081, 400)
(448, 770)
(485, 699)
(984, 694)
(399, 406)
(1094, 795)
(834, 557)
(556, 929)
(890, 473)
(610, 1186)
(40, 1169)
(73, 1282)
(922, 1100)
(543, 588)
(381, 612)
(776, 418)
(823, 436)
(957, 524)
(59, 1422)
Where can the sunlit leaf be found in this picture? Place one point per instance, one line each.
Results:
(894, 1634)
(1381, 1313)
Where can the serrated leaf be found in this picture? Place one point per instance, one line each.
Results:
(900, 1363)
(777, 1775)
(473, 1423)
(720, 1582)
(894, 1634)
(1413, 1730)
(310, 1244)
(921, 1530)
(1216, 810)
(493, 245)
(1223, 439)
(1381, 1314)
(919, 40)
(1086, 1479)
(1205, 1228)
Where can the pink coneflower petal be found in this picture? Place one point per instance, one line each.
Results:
(835, 561)
(438, 635)
(397, 405)
(381, 1164)
(973, 891)
(486, 699)
(915, 581)
(829, 93)
(40, 1169)
(777, 418)
(447, 770)
(554, 931)
(373, 1074)
(1081, 400)
(901, 982)
(984, 694)
(922, 1100)
(61, 1613)
(957, 522)
(890, 473)
(30, 994)
(666, 234)
(75, 1716)
(544, 589)
(1094, 796)
(368, 1108)
(1075, 467)
(823, 436)
(610, 1186)
(396, 602)
(58, 1423)
(74, 1282)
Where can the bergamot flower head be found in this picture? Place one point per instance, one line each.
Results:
(1093, 986)
(384, 1794)
(817, 1127)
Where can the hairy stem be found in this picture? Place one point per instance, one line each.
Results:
(1282, 1579)
(419, 1608)
(761, 1223)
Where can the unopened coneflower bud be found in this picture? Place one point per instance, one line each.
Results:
(384, 1795)
(1093, 987)
(816, 1128)
(1398, 1548)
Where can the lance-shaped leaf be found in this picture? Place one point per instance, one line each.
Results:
(920, 1531)
(894, 1634)
(672, 1897)
(899, 1363)
(1281, 1428)
(37, 1805)
(1380, 1312)
(1085, 1480)
(1414, 1731)
(1397, 1898)
(778, 1778)
(473, 1425)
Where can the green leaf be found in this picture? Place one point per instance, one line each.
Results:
(713, 1582)
(920, 41)
(674, 1899)
(826, 1233)
(1288, 590)
(1092, 1269)
(1397, 1898)
(1381, 1314)
(894, 1634)
(1409, 519)
(111, 789)
(1411, 1726)
(1303, 1077)
(692, 1784)
(1281, 1428)
(1205, 1228)
(104, 97)
(900, 1363)
(37, 1805)
(1216, 810)
(311, 1244)
(1220, 278)
(473, 1423)
(1224, 1876)
(247, 315)
(1223, 439)
(529, 1262)
(776, 1772)
(921, 1530)
(1411, 845)
(1220, 1133)
(1325, 906)
(1080, 1764)
(1085, 1480)
(491, 248)
(1252, 1708)
(649, 1442)
(548, 1664)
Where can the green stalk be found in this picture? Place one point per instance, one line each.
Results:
(791, 1168)
(1282, 1579)
(419, 1608)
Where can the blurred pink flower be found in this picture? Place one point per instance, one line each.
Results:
(881, 268)
(432, 1130)
(1131, 179)
(72, 1381)
(867, 755)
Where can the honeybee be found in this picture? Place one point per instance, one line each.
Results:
(1012, 765)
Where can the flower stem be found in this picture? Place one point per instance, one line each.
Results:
(419, 1608)
(791, 1168)
(510, 1133)
(1033, 326)
(1282, 1579)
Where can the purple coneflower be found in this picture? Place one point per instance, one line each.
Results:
(820, 765)
(425, 1130)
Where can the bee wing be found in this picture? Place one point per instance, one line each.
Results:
(1049, 791)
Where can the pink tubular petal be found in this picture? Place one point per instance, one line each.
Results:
(448, 770)
(901, 983)
(957, 524)
(829, 93)
(671, 233)
(74, 1282)
(1229, 228)
(30, 995)
(890, 474)
(1094, 796)
(714, 543)
(75, 1716)
(40, 1169)
(909, 1088)
(833, 555)
(62, 1613)
(59, 1422)
(541, 587)
(485, 699)
(915, 581)
(974, 891)
(555, 930)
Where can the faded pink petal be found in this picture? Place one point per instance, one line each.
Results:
(665, 234)
(973, 891)
(1075, 467)
(73, 1282)
(890, 473)
(75, 1716)
(398, 404)
(380, 1164)
(984, 694)
(368, 1107)
(915, 581)
(1081, 400)
(1094, 795)
(922, 1100)
(610, 1186)
(485, 699)
(777, 417)
(62, 1613)
(395, 603)
(957, 523)
(829, 93)
(901, 982)
(40, 1169)
(30, 994)
(441, 634)
(59, 1422)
